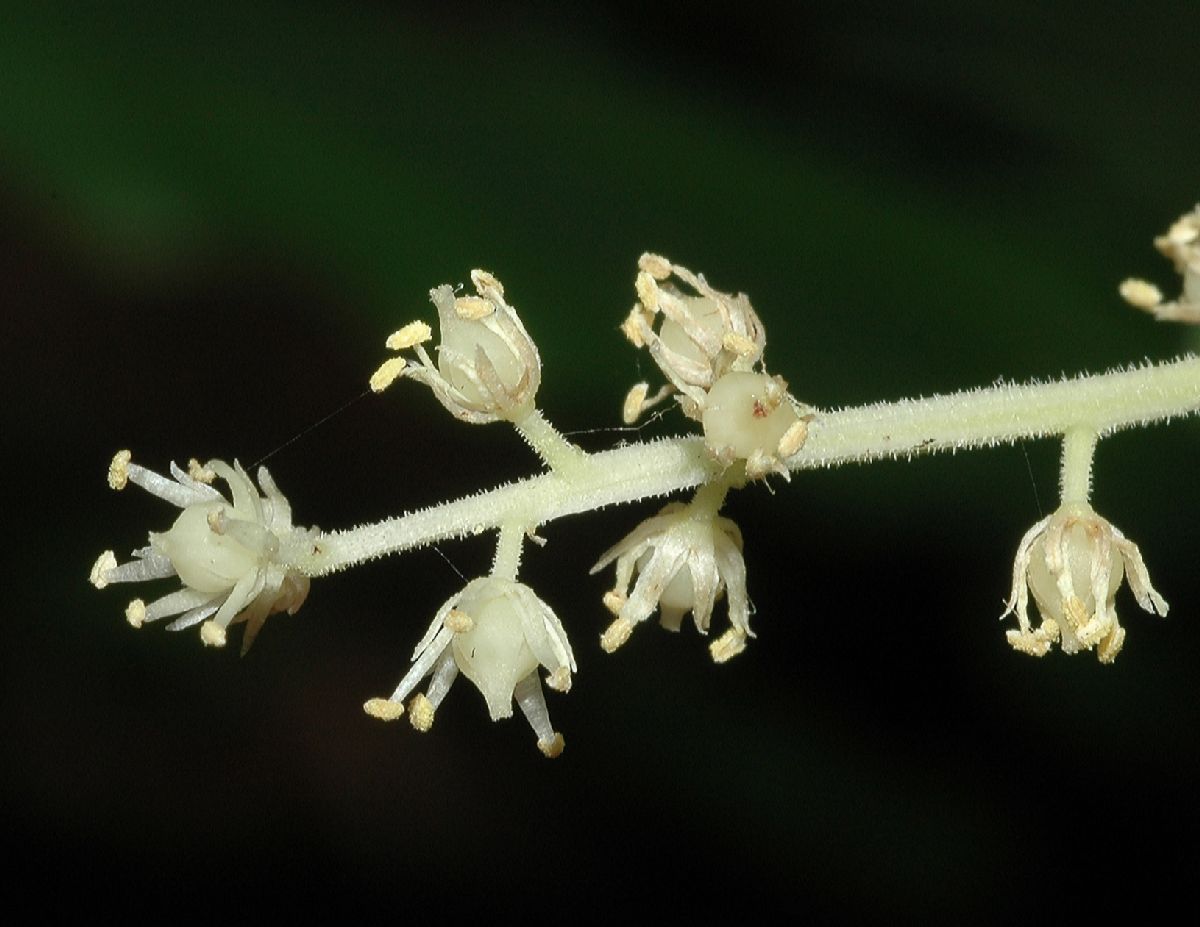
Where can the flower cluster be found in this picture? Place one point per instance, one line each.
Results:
(1182, 245)
(1073, 562)
(488, 368)
(709, 345)
(231, 556)
(497, 633)
(684, 559)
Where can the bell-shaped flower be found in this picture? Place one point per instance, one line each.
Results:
(695, 337)
(231, 554)
(1182, 245)
(1073, 562)
(683, 559)
(496, 632)
(487, 369)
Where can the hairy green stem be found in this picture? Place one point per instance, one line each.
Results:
(1101, 404)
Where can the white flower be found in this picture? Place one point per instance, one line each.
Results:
(684, 559)
(496, 632)
(488, 368)
(1073, 562)
(232, 557)
(1182, 245)
(702, 336)
(710, 347)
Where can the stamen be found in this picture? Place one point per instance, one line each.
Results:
(617, 634)
(383, 709)
(212, 634)
(1140, 294)
(727, 646)
(98, 577)
(421, 712)
(387, 373)
(118, 470)
(635, 401)
(412, 334)
(135, 613)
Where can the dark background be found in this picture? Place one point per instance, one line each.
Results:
(210, 219)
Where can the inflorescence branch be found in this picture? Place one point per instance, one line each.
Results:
(240, 558)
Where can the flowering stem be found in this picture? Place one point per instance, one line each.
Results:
(1075, 479)
(1099, 404)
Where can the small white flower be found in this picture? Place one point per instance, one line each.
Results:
(702, 335)
(684, 560)
(1073, 562)
(710, 346)
(231, 556)
(496, 632)
(1182, 245)
(488, 368)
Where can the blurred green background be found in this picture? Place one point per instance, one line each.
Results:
(211, 217)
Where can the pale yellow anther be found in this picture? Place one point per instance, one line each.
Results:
(631, 328)
(647, 291)
(386, 375)
(1033, 643)
(614, 601)
(793, 439)
(459, 622)
(552, 747)
(655, 265)
(98, 577)
(737, 343)
(473, 308)
(560, 679)
(1140, 294)
(485, 281)
(1075, 612)
(727, 646)
(1111, 644)
(420, 713)
(212, 634)
(383, 709)
(118, 470)
(617, 634)
(635, 401)
(200, 473)
(413, 333)
(216, 521)
(135, 613)
(1185, 230)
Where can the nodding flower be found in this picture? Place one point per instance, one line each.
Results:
(496, 632)
(684, 560)
(1073, 562)
(232, 554)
